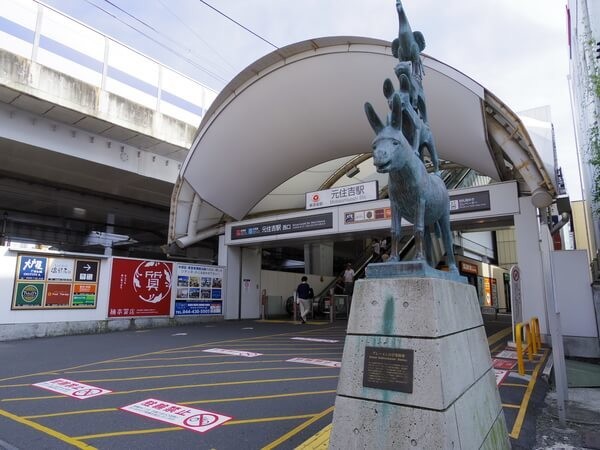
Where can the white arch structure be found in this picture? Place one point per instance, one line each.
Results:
(283, 125)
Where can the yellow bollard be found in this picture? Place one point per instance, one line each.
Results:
(519, 342)
(521, 348)
(529, 340)
(535, 334)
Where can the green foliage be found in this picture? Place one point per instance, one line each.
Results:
(594, 160)
(593, 92)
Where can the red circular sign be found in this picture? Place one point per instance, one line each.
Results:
(200, 420)
(516, 274)
(87, 392)
(152, 281)
(316, 198)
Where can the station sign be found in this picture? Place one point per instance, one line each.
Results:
(470, 202)
(283, 226)
(355, 193)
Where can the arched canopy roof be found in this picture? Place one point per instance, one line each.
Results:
(293, 118)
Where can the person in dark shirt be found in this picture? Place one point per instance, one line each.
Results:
(303, 298)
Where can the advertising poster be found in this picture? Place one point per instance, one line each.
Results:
(58, 294)
(84, 294)
(140, 288)
(199, 290)
(46, 282)
(29, 295)
(367, 215)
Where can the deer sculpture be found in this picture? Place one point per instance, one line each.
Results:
(416, 195)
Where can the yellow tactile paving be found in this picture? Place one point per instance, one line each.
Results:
(318, 441)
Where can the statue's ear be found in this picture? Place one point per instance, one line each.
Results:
(388, 88)
(396, 120)
(419, 39)
(373, 118)
(395, 45)
(404, 83)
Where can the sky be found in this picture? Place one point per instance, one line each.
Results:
(517, 49)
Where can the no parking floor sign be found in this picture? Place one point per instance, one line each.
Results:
(73, 389)
(191, 418)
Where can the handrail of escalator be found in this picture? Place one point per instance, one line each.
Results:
(366, 258)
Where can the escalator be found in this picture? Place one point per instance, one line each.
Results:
(454, 179)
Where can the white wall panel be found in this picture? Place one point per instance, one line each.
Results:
(72, 34)
(183, 87)
(23, 12)
(182, 97)
(130, 93)
(135, 65)
(15, 45)
(179, 113)
(573, 293)
(69, 67)
(18, 26)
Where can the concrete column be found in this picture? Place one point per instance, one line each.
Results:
(231, 258)
(110, 220)
(318, 258)
(250, 283)
(529, 258)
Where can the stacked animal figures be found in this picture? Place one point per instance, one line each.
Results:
(399, 149)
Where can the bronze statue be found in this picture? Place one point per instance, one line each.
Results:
(398, 149)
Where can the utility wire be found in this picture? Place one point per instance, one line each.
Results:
(154, 29)
(175, 52)
(239, 24)
(191, 30)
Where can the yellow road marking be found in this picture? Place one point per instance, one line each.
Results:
(496, 348)
(166, 366)
(499, 335)
(162, 430)
(117, 379)
(259, 369)
(187, 386)
(55, 434)
(297, 430)
(516, 430)
(71, 413)
(158, 352)
(192, 402)
(515, 385)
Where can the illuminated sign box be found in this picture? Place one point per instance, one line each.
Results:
(355, 193)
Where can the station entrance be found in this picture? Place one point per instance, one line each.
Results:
(272, 260)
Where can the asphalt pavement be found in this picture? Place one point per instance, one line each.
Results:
(220, 385)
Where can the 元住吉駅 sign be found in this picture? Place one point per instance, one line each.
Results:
(283, 226)
(342, 195)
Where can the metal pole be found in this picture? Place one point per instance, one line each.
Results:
(553, 313)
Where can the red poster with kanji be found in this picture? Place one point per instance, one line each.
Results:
(140, 288)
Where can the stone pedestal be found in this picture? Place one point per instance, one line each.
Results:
(416, 371)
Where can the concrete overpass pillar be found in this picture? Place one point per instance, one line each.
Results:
(318, 258)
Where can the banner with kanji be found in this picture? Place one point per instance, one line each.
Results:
(140, 288)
